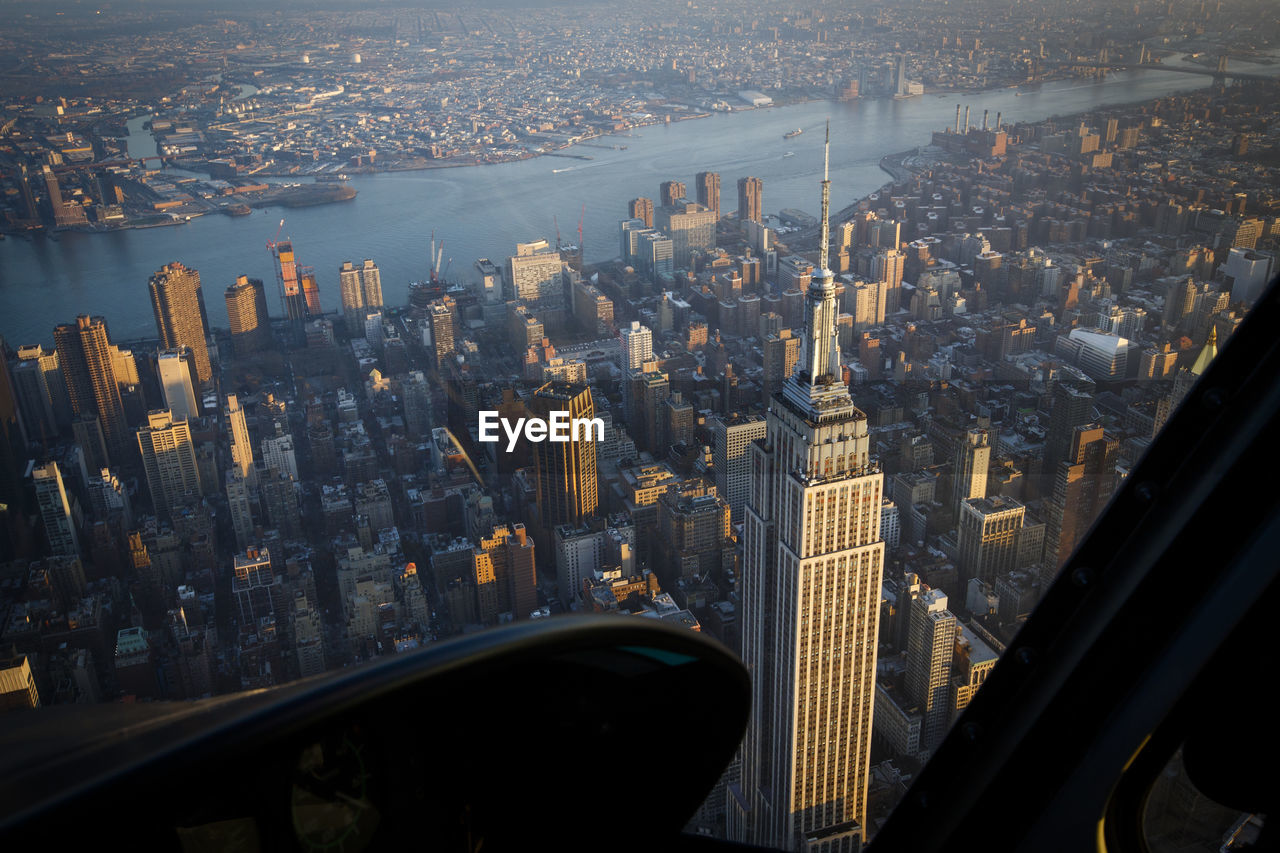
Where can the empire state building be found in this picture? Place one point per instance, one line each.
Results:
(813, 564)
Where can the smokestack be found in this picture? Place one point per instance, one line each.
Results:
(957, 118)
(984, 119)
(997, 121)
(966, 118)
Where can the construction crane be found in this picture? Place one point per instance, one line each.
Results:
(436, 274)
(556, 222)
(581, 254)
(271, 244)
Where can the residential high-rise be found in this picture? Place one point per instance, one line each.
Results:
(176, 385)
(178, 303)
(371, 285)
(969, 471)
(889, 266)
(750, 200)
(247, 315)
(87, 359)
(707, 187)
(781, 353)
(988, 537)
(361, 290)
(352, 298)
(565, 470)
(732, 436)
(642, 209)
(169, 460)
(637, 348)
(669, 192)
(931, 640)
(241, 448)
(811, 587)
(55, 510)
(440, 320)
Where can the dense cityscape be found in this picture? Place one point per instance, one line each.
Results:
(910, 408)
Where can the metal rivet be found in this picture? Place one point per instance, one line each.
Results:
(1082, 576)
(972, 731)
(1145, 492)
(1026, 655)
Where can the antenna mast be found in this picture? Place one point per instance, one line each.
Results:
(825, 237)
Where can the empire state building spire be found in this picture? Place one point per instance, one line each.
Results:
(818, 383)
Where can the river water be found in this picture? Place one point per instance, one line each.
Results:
(484, 211)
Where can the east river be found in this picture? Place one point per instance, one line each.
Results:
(484, 211)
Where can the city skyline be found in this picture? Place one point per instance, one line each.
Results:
(855, 449)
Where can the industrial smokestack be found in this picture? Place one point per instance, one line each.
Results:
(984, 119)
(966, 118)
(997, 121)
(957, 118)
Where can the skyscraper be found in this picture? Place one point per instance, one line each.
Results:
(178, 304)
(169, 460)
(889, 266)
(175, 383)
(361, 289)
(441, 324)
(536, 274)
(669, 192)
(55, 510)
(241, 449)
(637, 348)
(87, 359)
(733, 435)
(371, 285)
(691, 228)
(642, 209)
(813, 566)
(988, 536)
(781, 353)
(969, 473)
(931, 639)
(238, 505)
(750, 200)
(310, 291)
(1072, 407)
(247, 315)
(565, 471)
(707, 186)
(1082, 485)
(295, 305)
(352, 298)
